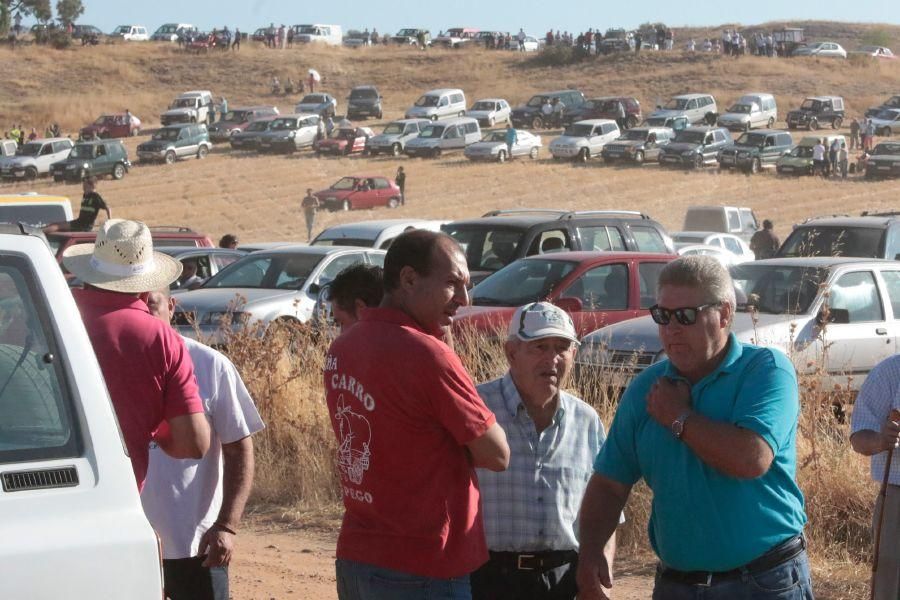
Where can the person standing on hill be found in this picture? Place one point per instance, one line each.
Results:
(410, 429)
(620, 115)
(765, 243)
(400, 180)
(236, 44)
(854, 133)
(870, 135)
(310, 205)
(511, 139)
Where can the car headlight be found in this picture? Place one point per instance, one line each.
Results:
(292, 134)
(86, 165)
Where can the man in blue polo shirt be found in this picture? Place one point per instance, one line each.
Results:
(712, 431)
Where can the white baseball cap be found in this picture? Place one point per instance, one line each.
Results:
(540, 320)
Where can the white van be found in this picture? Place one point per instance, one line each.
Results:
(438, 104)
(737, 220)
(73, 526)
(34, 209)
(131, 33)
(327, 34)
(751, 110)
(446, 136)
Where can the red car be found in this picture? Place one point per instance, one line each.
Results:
(596, 288)
(345, 140)
(606, 108)
(112, 126)
(360, 191)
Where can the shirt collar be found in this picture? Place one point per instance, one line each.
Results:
(108, 299)
(396, 317)
(513, 403)
(727, 365)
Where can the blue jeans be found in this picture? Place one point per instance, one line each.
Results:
(788, 581)
(359, 581)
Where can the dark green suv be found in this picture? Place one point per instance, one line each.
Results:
(103, 157)
(755, 150)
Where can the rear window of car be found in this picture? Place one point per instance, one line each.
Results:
(36, 413)
(486, 249)
(648, 239)
(862, 242)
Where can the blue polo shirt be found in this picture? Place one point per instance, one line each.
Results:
(700, 519)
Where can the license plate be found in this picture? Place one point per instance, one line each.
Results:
(614, 153)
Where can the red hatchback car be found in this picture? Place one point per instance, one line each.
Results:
(345, 140)
(360, 191)
(596, 288)
(112, 126)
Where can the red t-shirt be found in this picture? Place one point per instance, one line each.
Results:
(148, 371)
(403, 408)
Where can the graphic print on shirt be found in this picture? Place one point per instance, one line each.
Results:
(355, 436)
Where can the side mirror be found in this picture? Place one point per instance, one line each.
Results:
(570, 305)
(827, 314)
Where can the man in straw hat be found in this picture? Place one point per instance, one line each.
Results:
(148, 372)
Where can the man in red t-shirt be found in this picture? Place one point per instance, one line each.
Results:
(148, 371)
(410, 427)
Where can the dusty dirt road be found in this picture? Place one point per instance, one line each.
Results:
(275, 561)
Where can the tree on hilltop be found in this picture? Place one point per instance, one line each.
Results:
(39, 8)
(67, 11)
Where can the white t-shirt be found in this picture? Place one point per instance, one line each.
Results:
(818, 152)
(182, 498)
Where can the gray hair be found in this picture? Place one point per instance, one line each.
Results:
(700, 272)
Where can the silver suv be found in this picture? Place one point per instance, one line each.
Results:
(698, 108)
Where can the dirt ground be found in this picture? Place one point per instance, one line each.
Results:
(274, 561)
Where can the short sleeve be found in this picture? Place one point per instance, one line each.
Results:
(768, 401)
(234, 415)
(617, 458)
(876, 396)
(454, 399)
(181, 394)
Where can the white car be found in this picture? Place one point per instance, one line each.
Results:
(824, 49)
(131, 33)
(34, 158)
(189, 107)
(280, 285)
(372, 234)
(725, 258)
(392, 140)
(531, 44)
(727, 241)
(875, 52)
(73, 526)
(886, 121)
(490, 111)
(583, 140)
(493, 147)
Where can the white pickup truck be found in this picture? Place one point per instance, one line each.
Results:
(189, 107)
(72, 525)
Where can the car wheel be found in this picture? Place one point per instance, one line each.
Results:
(118, 171)
(170, 157)
(746, 126)
(639, 157)
(533, 153)
(813, 125)
(31, 173)
(584, 155)
(393, 202)
(755, 166)
(631, 122)
(836, 124)
(461, 113)
(501, 156)
(396, 150)
(698, 161)
(345, 205)
(537, 123)
(202, 152)
(771, 123)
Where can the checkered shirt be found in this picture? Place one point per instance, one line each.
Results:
(879, 394)
(533, 505)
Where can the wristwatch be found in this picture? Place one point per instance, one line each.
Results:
(678, 424)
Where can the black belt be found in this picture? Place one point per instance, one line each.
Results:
(774, 557)
(534, 561)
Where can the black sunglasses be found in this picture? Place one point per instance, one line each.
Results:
(686, 315)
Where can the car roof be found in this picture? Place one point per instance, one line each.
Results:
(45, 140)
(593, 121)
(601, 255)
(823, 97)
(704, 128)
(525, 220)
(363, 87)
(349, 229)
(490, 100)
(824, 261)
(321, 250)
(295, 116)
(177, 250)
(691, 96)
(441, 91)
(553, 93)
(98, 142)
(847, 221)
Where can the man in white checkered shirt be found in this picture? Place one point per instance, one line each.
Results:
(530, 510)
(875, 429)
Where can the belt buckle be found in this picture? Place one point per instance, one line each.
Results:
(519, 562)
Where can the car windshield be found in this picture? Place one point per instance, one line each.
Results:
(393, 129)
(577, 130)
(407, 32)
(345, 134)
(236, 116)
(486, 249)
(536, 101)
(634, 135)
(676, 104)
(483, 106)
(258, 126)
(309, 29)
(894, 102)
(802, 152)
(887, 148)
(682, 238)
(283, 124)
(29, 150)
(810, 104)
(183, 103)
(862, 242)
(82, 151)
(690, 137)
(274, 271)
(344, 183)
(105, 120)
(166, 134)
(740, 108)
(495, 136)
(167, 29)
(521, 282)
(122, 29)
(432, 131)
(608, 106)
(751, 139)
(427, 100)
(363, 93)
(776, 289)
(313, 99)
(888, 114)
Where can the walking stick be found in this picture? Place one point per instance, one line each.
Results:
(883, 495)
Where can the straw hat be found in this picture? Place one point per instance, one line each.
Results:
(122, 260)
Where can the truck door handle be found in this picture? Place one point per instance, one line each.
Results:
(881, 331)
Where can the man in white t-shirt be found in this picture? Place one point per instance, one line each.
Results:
(196, 505)
(819, 158)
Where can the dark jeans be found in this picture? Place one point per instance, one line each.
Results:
(359, 581)
(499, 580)
(788, 581)
(188, 579)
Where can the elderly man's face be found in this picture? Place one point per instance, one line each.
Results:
(435, 298)
(161, 305)
(539, 367)
(693, 348)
